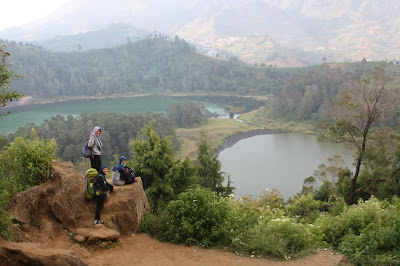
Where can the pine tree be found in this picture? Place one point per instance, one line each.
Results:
(163, 177)
(209, 169)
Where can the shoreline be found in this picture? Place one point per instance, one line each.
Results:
(29, 100)
(232, 140)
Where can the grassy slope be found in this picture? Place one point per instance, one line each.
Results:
(218, 130)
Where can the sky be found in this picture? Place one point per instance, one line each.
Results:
(20, 12)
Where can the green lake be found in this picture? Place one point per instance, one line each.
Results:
(20, 115)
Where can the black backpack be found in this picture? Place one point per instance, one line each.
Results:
(86, 150)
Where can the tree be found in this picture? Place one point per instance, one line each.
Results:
(6, 75)
(209, 169)
(357, 112)
(163, 177)
(187, 114)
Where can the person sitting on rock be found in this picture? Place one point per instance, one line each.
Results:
(102, 189)
(122, 174)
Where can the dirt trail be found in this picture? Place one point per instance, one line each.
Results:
(140, 249)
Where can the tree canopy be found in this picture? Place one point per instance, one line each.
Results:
(6, 76)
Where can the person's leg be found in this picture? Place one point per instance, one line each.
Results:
(129, 180)
(95, 162)
(100, 202)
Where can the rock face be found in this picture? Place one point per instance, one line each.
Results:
(98, 234)
(60, 205)
(30, 254)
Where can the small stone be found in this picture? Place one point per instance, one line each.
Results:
(102, 234)
(97, 226)
(79, 239)
(103, 245)
(83, 231)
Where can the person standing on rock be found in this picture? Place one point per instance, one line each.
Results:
(95, 145)
(102, 188)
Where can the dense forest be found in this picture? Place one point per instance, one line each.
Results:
(148, 66)
(161, 66)
(117, 131)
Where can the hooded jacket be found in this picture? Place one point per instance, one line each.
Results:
(95, 142)
(119, 165)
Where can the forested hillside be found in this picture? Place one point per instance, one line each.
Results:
(147, 66)
(161, 66)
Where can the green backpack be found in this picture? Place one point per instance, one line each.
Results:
(90, 183)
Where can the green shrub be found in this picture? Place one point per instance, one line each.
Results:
(152, 223)
(351, 221)
(367, 233)
(281, 238)
(305, 208)
(23, 164)
(375, 245)
(26, 163)
(199, 217)
(271, 198)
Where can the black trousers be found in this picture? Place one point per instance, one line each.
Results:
(129, 180)
(100, 203)
(95, 162)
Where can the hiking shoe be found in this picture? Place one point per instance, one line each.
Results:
(98, 222)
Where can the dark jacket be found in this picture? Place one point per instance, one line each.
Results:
(101, 182)
(127, 173)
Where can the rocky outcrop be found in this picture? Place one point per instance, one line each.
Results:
(12, 253)
(59, 206)
(98, 234)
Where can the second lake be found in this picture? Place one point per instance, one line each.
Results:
(277, 161)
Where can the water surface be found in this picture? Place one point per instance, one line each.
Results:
(280, 161)
(39, 112)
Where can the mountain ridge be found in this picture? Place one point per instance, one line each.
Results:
(344, 30)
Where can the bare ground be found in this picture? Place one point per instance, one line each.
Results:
(140, 249)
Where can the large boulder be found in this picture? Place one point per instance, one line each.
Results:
(25, 253)
(59, 205)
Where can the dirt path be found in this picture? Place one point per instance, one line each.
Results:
(140, 249)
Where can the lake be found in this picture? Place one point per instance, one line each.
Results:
(37, 113)
(280, 161)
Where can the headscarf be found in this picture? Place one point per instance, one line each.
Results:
(102, 168)
(119, 165)
(97, 138)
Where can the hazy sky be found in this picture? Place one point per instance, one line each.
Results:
(20, 12)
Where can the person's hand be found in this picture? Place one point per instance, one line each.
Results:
(91, 133)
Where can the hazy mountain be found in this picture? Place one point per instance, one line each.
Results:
(288, 31)
(338, 30)
(108, 37)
